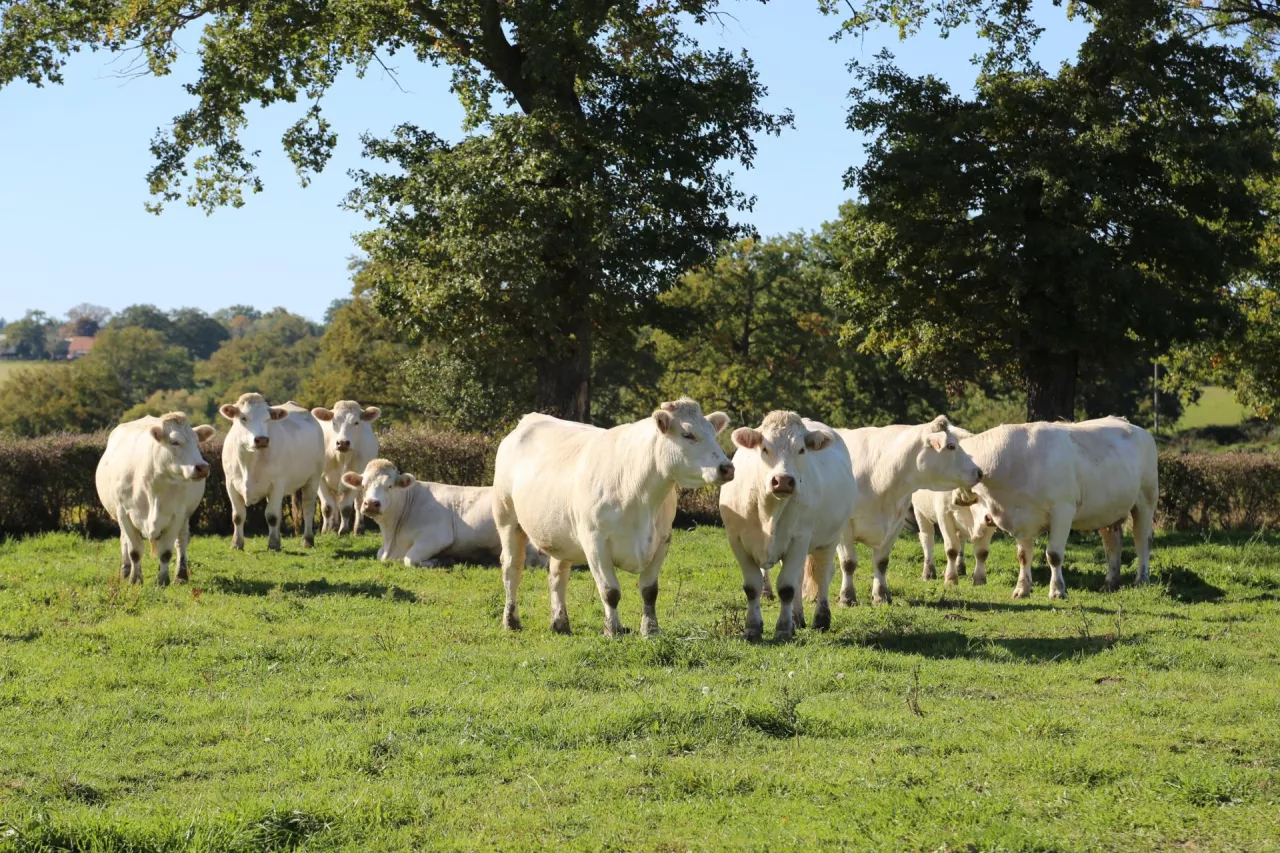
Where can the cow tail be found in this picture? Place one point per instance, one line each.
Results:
(155, 548)
(810, 589)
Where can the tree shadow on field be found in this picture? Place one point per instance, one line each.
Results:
(312, 589)
(961, 605)
(358, 553)
(953, 644)
(1186, 586)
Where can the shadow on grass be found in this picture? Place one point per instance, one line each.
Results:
(953, 644)
(312, 589)
(358, 553)
(1184, 585)
(961, 605)
(27, 637)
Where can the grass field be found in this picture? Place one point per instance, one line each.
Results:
(1216, 407)
(324, 701)
(8, 368)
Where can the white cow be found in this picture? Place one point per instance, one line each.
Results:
(429, 524)
(270, 452)
(349, 445)
(582, 494)
(890, 463)
(150, 480)
(1063, 477)
(960, 521)
(790, 499)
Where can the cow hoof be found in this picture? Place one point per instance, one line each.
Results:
(308, 542)
(850, 600)
(1057, 594)
(615, 633)
(648, 627)
(163, 580)
(237, 546)
(799, 622)
(822, 619)
(929, 574)
(1021, 592)
(784, 635)
(979, 580)
(960, 570)
(560, 625)
(950, 580)
(512, 623)
(882, 597)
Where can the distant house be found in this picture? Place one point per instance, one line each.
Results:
(79, 347)
(7, 350)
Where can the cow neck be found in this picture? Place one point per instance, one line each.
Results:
(406, 505)
(895, 464)
(653, 485)
(770, 509)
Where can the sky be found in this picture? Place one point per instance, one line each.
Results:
(74, 158)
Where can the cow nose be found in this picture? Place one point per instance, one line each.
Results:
(988, 521)
(979, 470)
(344, 445)
(782, 484)
(261, 441)
(372, 507)
(202, 471)
(726, 471)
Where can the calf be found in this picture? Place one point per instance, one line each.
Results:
(1063, 477)
(790, 499)
(150, 479)
(604, 497)
(270, 452)
(960, 521)
(349, 445)
(890, 463)
(429, 524)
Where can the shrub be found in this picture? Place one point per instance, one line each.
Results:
(1219, 490)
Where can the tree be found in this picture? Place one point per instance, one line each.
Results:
(142, 317)
(139, 361)
(196, 331)
(591, 175)
(1102, 212)
(751, 333)
(360, 358)
(85, 320)
(274, 357)
(30, 336)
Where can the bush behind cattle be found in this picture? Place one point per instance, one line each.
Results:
(46, 484)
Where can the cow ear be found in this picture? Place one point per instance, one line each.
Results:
(718, 421)
(229, 411)
(936, 440)
(963, 497)
(352, 479)
(320, 413)
(663, 419)
(748, 437)
(818, 439)
(371, 414)
(278, 414)
(157, 433)
(204, 432)
(404, 481)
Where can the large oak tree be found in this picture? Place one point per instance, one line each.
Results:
(590, 177)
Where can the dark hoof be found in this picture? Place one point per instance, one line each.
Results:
(512, 623)
(822, 620)
(183, 577)
(561, 625)
(848, 600)
(929, 574)
(621, 631)
(309, 542)
(753, 635)
(784, 636)
(163, 580)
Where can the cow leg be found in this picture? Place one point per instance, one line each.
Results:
(429, 542)
(238, 514)
(752, 582)
(649, 589)
(514, 541)
(926, 544)
(1059, 530)
(981, 548)
(600, 561)
(275, 505)
(357, 501)
(791, 603)
(166, 541)
(558, 579)
(847, 555)
(1026, 547)
(1143, 537)
(309, 491)
(184, 540)
(955, 550)
(326, 509)
(824, 568)
(1113, 544)
(766, 588)
(131, 536)
(126, 565)
(879, 581)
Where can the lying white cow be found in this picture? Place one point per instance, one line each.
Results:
(270, 452)
(606, 498)
(891, 463)
(960, 521)
(791, 497)
(349, 445)
(150, 480)
(429, 524)
(1063, 477)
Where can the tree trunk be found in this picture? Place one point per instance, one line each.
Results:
(1051, 385)
(564, 375)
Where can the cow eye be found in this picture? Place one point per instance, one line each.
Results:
(176, 443)
(688, 436)
(951, 447)
(802, 451)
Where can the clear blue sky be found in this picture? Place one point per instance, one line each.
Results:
(73, 161)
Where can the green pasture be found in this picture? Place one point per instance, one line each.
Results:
(9, 367)
(318, 701)
(1216, 407)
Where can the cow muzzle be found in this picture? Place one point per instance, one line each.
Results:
(343, 446)
(199, 472)
(726, 472)
(782, 485)
(261, 442)
(371, 507)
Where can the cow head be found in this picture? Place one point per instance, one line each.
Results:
(974, 517)
(383, 486)
(249, 417)
(782, 442)
(177, 453)
(688, 449)
(345, 419)
(941, 463)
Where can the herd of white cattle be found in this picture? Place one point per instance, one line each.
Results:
(796, 492)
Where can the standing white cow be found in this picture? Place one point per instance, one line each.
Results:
(890, 463)
(960, 520)
(429, 524)
(349, 445)
(791, 497)
(270, 452)
(582, 494)
(1063, 477)
(150, 480)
